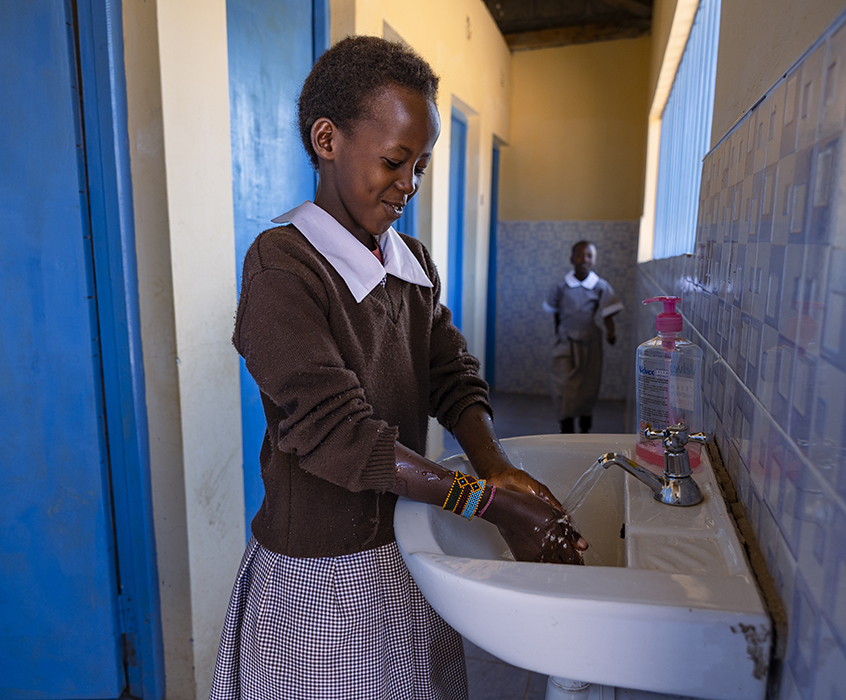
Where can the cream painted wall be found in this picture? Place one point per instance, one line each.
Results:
(465, 48)
(178, 107)
(759, 41)
(662, 21)
(578, 133)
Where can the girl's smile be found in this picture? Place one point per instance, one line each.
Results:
(367, 175)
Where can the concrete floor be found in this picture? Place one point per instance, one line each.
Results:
(515, 415)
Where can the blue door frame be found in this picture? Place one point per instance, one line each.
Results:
(490, 333)
(76, 231)
(457, 185)
(103, 78)
(272, 46)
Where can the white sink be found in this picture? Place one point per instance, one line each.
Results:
(667, 602)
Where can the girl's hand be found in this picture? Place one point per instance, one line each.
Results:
(507, 476)
(534, 530)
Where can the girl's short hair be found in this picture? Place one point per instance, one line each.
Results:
(348, 74)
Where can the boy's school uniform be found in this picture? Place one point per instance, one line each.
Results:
(577, 351)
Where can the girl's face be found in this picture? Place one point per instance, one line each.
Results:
(368, 176)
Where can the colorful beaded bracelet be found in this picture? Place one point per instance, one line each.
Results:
(464, 485)
(456, 491)
(477, 488)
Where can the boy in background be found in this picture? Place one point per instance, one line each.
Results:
(578, 302)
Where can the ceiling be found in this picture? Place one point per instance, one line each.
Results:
(535, 24)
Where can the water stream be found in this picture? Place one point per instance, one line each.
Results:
(582, 488)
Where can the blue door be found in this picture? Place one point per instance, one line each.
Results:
(73, 487)
(272, 46)
(407, 223)
(457, 184)
(61, 636)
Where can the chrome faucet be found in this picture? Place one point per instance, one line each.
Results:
(676, 487)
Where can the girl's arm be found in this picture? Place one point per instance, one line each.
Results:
(477, 437)
(533, 529)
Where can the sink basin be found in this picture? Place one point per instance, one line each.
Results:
(667, 602)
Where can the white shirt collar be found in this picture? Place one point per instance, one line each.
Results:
(588, 282)
(354, 262)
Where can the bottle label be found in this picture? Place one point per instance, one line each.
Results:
(682, 393)
(667, 393)
(652, 396)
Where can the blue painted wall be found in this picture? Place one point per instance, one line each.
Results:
(272, 46)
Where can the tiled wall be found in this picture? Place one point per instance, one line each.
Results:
(765, 296)
(531, 257)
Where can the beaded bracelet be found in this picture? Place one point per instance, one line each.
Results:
(462, 485)
(490, 498)
(477, 488)
(459, 483)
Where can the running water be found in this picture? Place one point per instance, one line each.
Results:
(582, 488)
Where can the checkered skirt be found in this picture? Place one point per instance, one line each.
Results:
(351, 627)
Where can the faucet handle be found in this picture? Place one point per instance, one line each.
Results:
(701, 438)
(674, 437)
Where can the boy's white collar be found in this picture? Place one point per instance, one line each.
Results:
(588, 282)
(358, 266)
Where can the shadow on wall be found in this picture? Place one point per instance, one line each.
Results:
(532, 256)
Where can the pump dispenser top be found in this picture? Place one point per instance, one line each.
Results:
(670, 321)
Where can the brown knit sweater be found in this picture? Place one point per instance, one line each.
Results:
(341, 382)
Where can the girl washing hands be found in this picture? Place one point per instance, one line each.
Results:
(340, 324)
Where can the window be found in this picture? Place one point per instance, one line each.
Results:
(685, 135)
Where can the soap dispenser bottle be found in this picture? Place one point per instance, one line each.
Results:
(669, 383)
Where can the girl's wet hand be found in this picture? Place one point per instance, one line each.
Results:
(538, 532)
(518, 480)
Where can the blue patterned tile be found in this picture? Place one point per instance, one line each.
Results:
(810, 96)
(774, 465)
(816, 510)
(833, 110)
(830, 665)
(828, 436)
(804, 387)
(823, 190)
(834, 595)
(833, 340)
(790, 122)
(793, 498)
(767, 365)
(782, 384)
(802, 648)
(761, 124)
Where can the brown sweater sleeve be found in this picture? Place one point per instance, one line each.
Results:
(321, 415)
(454, 377)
